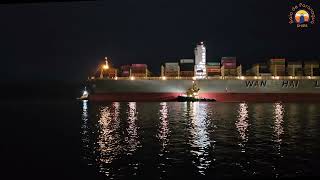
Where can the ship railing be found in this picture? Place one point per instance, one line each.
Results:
(219, 78)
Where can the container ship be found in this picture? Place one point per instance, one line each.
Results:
(273, 81)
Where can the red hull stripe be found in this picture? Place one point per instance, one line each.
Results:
(222, 97)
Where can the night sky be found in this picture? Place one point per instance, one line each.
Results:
(67, 40)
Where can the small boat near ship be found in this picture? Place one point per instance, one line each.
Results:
(193, 99)
(85, 95)
(192, 95)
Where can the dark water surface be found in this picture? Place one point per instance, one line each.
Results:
(68, 139)
(200, 139)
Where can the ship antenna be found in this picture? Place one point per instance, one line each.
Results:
(107, 64)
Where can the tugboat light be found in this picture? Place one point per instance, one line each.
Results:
(85, 93)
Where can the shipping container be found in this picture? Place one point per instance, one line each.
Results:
(186, 73)
(311, 72)
(265, 74)
(125, 74)
(171, 64)
(214, 70)
(172, 74)
(171, 67)
(125, 68)
(138, 74)
(213, 64)
(311, 66)
(229, 65)
(212, 74)
(138, 70)
(294, 71)
(229, 62)
(294, 66)
(228, 59)
(186, 67)
(230, 72)
(171, 70)
(186, 61)
(275, 60)
(139, 66)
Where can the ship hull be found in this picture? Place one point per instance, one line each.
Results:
(221, 97)
(221, 90)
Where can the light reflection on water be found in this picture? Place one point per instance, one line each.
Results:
(85, 136)
(163, 131)
(132, 138)
(200, 141)
(116, 134)
(278, 128)
(242, 125)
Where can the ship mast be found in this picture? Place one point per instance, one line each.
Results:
(104, 67)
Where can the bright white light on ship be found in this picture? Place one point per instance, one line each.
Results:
(164, 78)
(277, 77)
(116, 78)
(291, 77)
(132, 78)
(256, 77)
(309, 77)
(194, 78)
(85, 93)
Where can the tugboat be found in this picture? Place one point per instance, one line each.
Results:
(85, 95)
(192, 95)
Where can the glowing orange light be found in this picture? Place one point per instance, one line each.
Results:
(105, 67)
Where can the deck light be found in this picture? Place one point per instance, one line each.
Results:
(105, 66)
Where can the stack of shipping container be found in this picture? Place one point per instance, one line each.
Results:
(260, 69)
(239, 70)
(186, 67)
(139, 70)
(294, 69)
(171, 69)
(213, 69)
(107, 73)
(125, 70)
(311, 68)
(112, 72)
(229, 66)
(278, 67)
